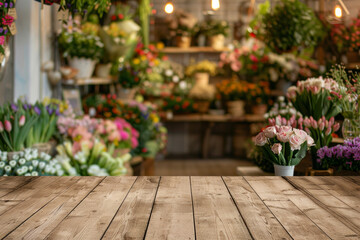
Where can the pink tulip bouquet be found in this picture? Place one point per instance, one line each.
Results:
(313, 98)
(283, 145)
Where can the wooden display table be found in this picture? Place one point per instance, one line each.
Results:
(180, 208)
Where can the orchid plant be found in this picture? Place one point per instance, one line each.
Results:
(283, 145)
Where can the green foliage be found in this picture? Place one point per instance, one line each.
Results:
(290, 25)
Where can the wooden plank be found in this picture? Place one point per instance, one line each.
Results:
(132, 218)
(172, 215)
(355, 179)
(261, 222)
(44, 221)
(9, 184)
(90, 219)
(6, 205)
(215, 214)
(337, 208)
(295, 221)
(12, 218)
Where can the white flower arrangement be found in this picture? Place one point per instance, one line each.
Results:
(29, 163)
(283, 109)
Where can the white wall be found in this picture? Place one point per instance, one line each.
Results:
(27, 49)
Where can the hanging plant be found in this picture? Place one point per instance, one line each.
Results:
(7, 23)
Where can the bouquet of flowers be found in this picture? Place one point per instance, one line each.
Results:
(231, 90)
(312, 98)
(29, 163)
(345, 156)
(16, 122)
(75, 43)
(283, 109)
(201, 67)
(259, 93)
(347, 37)
(7, 24)
(283, 145)
(179, 104)
(90, 160)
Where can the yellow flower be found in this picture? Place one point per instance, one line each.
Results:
(154, 118)
(143, 58)
(156, 62)
(136, 61)
(160, 45)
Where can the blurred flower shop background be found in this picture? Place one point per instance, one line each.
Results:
(155, 87)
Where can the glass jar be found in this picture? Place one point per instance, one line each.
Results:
(350, 128)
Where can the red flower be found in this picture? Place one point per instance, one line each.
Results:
(113, 18)
(121, 16)
(7, 20)
(144, 150)
(252, 35)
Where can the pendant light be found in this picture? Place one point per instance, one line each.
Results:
(169, 7)
(215, 4)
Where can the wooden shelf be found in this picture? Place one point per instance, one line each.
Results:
(89, 81)
(177, 50)
(355, 65)
(215, 118)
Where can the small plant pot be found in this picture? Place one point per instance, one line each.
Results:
(284, 171)
(10, 155)
(217, 42)
(127, 94)
(103, 70)
(202, 78)
(236, 108)
(260, 109)
(183, 41)
(85, 66)
(203, 106)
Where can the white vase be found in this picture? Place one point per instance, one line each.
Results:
(202, 78)
(284, 171)
(236, 108)
(103, 70)
(85, 66)
(217, 41)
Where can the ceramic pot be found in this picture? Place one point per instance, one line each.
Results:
(236, 108)
(217, 41)
(284, 171)
(103, 70)
(183, 41)
(202, 78)
(127, 94)
(260, 109)
(85, 66)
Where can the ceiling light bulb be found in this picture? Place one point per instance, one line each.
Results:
(169, 8)
(215, 4)
(338, 11)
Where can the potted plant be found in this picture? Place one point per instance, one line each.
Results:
(284, 146)
(202, 95)
(82, 50)
(259, 96)
(182, 26)
(234, 93)
(216, 31)
(201, 71)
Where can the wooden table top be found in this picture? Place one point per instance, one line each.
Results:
(180, 207)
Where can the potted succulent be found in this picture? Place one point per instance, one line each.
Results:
(284, 146)
(216, 31)
(82, 50)
(201, 71)
(202, 95)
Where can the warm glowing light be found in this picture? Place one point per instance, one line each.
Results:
(338, 11)
(169, 8)
(215, 4)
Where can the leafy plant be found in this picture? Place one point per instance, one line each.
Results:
(216, 27)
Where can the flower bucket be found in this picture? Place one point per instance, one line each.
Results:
(103, 70)
(43, 147)
(10, 155)
(202, 78)
(217, 41)
(284, 171)
(236, 108)
(126, 94)
(203, 106)
(183, 41)
(85, 66)
(259, 109)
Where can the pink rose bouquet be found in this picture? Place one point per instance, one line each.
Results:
(283, 145)
(312, 97)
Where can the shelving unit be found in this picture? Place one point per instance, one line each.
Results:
(177, 50)
(89, 81)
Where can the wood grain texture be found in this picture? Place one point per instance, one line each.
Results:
(295, 221)
(172, 215)
(135, 211)
(9, 184)
(44, 221)
(40, 196)
(215, 214)
(261, 222)
(90, 219)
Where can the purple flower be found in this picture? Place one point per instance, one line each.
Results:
(11, 5)
(57, 112)
(321, 153)
(14, 107)
(6, 5)
(37, 110)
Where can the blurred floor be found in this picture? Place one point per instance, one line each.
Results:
(199, 167)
